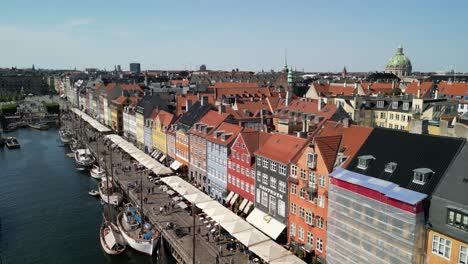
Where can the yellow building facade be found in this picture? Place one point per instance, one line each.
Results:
(442, 249)
(392, 119)
(159, 136)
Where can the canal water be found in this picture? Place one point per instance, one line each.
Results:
(46, 214)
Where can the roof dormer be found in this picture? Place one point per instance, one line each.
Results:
(390, 167)
(364, 161)
(422, 175)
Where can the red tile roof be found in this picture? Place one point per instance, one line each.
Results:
(212, 118)
(120, 99)
(328, 146)
(254, 139)
(454, 88)
(131, 87)
(244, 92)
(231, 85)
(226, 128)
(165, 118)
(282, 148)
(424, 86)
(375, 88)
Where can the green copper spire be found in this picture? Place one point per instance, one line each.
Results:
(290, 75)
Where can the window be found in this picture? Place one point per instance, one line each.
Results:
(311, 160)
(422, 175)
(463, 256)
(321, 201)
(309, 219)
(294, 171)
(457, 219)
(397, 117)
(382, 115)
(405, 107)
(293, 208)
(293, 188)
(282, 169)
(441, 246)
(321, 180)
(265, 163)
(319, 244)
(364, 161)
(264, 198)
(403, 118)
(273, 182)
(302, 193)
(391, 116)
(272, 207)
(252, 190)
(265, 179)
(281, 208)
(259, 161)
(300, 234)
(394, 105)
(380, 104)
(292, 229)
(282, 186)
(390, 167)
(252, 172)
(301, 212)
(311, 178)
(273, 165)
(247, 187)
(259, 194)
(320, 222)
(259, 176)
(303, 174)
(310, 238)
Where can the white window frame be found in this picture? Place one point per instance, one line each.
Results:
(441, 244)
(282, 169)
(463, 259)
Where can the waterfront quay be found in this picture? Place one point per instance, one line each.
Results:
(209, 247)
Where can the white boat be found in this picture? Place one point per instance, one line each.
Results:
(93, 192)
(84, 159)
(65, 136)
(73, 145)
(111, 239)
(107, 193)
(141, 239)
(97, 172)
(12, 143)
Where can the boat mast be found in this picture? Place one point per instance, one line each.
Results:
(141, 200)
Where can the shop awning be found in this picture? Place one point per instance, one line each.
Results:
(210, 204)
(197, 198)
(247, 207)
(176, 165)
(250, 237)
(93, 122)
(163, 157)
(266, 223)
(270, 251)
(243, 204)
(236, 226)
(234, 198)
(228, 198)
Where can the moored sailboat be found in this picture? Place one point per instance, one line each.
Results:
(107, 193)
(111, 239)
(65, 136)
(84, 159)
(97, 172)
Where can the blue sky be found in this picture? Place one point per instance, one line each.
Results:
(249, 35)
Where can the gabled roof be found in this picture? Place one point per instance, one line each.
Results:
(409, 151)
(455, 88)
(131, 87)
(254, 139)
(165, 118)
(282, 148)
(224, 134)
(328, 146)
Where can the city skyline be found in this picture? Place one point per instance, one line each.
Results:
(248, 36)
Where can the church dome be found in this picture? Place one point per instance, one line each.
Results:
(399, 60)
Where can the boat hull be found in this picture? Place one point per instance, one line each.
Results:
(114, 198)
(104, 245)
(97, 173)
(146, 247)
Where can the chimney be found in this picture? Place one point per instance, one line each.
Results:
(319, 104)
(346, 122)
(261, 118)
(288, 98)
(393, 85)
(188, 104)
(418, 95)
(436, 93)
(304, 125)
(221, 108)
(344, 84)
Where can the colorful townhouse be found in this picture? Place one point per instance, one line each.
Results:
(129, 122)
(162, 123)
(148, 131)
(218, 148)
(378, 204)
(197, 139)
(447, 236)
(273, 166)
(116, 109)
(335, 146)
(241, 169)
(193, 115)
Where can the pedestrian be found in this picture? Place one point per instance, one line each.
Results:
(189, 229)
(152, 189)
(161, 210)
(198, 230)
(165, 208)
(208, 237)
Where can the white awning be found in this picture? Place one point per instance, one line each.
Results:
(162, 158)
(251, 237)
(234, 198)
(208, 205)
(93, 122)
(243, 204)
(197, 198)
(228, 198)
(227, 217)
(266, 223)
(176, 165)
(288, 260)
(139, 155)
(236, 226)
(270, 251)
(247, 207)
(216, 211)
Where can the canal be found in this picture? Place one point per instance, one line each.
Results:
(46, 214)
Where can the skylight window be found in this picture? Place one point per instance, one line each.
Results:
(364, 161)
(422, 175)
(380, 104)
(390, 167)
(395, 105)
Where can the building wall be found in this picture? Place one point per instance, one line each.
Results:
(182, 147)
(159, 137)
(197, 168)
(433, 256)
(241, 174)
(125, 123)
(392, 119)
(171, 145)
(314, 202)
(148, 131)
(364, 230)
(140, 123)
(263, 188)
(216, 166)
